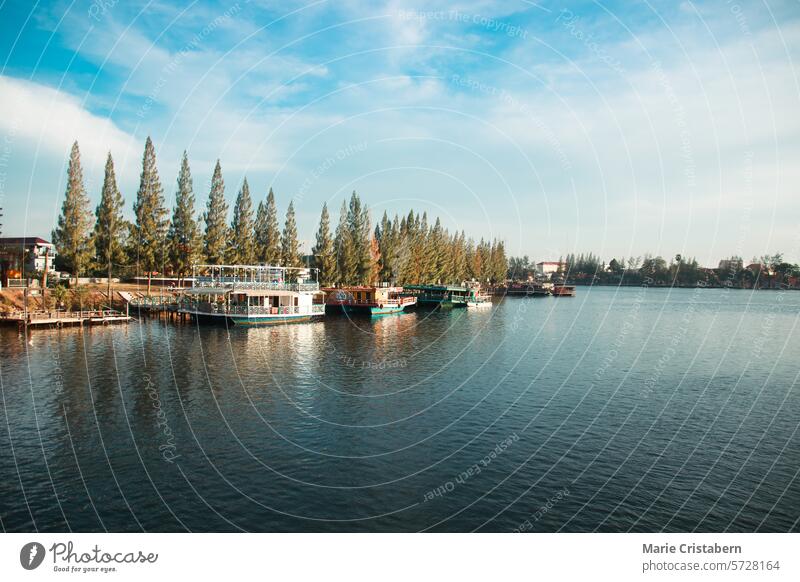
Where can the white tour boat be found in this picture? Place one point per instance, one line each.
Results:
(252, 294)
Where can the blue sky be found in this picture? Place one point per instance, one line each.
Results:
(616, 127)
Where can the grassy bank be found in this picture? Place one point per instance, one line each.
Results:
(90, 296)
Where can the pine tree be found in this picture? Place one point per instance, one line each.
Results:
(243, 247)
(473, 261)
(422, 250)
(290, 247)
(398, 253)
(183, 239)
(324, 251)
(359, 235)
(500, 263)
(366, 264)
(268, 236)
(375, 262)
(437, 248)
(386, 238)
(459, 256)
(483, 264)
(345, 256)
(216, 235)
(72, 235)
(110, 228)
(260, 232)
(410, 250)
(151, 216)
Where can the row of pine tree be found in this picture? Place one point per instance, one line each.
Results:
(402, 250)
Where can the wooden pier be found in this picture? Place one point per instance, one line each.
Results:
(56, 318)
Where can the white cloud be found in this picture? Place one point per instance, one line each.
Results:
(50, 120)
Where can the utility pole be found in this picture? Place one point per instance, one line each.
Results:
(44, 278)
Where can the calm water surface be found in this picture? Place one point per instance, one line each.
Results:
(617, 410)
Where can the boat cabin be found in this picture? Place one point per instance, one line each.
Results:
(439, 294)
(252, 293)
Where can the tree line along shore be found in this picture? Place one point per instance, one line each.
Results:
(403, 250)
(765, 272)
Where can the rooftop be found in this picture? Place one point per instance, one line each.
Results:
(436, 288)
(23, 240)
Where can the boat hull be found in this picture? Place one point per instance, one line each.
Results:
(528, 292)
(564, 291)
(369, 310)
(253, 319)
(274, 319)
(445, 303)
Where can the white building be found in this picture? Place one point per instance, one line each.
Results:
(547, 268)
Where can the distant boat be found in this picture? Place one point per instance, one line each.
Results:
(252, 294)
(532, 289)
(441, 295)
(477, 299)
(479, 302)
(563, 290)
(368, 299)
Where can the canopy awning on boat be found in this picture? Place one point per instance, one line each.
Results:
(434, 288)
(272, 292)
(207, 291)
(266, 292)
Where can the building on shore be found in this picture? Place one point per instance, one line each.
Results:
(545, 269)
(21, 257)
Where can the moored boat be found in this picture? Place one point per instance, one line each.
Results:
(477, 299)
(530, 289)
(368, 299)
(252, 295)
(441, 295)
(479, 302)
(563, 290)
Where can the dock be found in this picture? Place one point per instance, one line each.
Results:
(56, 318)
(152, 304)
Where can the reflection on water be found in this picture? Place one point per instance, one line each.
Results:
(632, 409)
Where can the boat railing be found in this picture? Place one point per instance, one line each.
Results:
(399, 301)
(281, 310)
(221, 309)
(377, 301)
(234, 284)
(154, 301)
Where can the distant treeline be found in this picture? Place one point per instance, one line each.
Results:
(400, 250)
(769, 271)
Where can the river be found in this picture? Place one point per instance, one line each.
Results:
(625, 409)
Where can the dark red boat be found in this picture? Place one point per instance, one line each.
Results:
(563, 291)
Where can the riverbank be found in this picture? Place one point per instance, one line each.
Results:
(91, 296)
